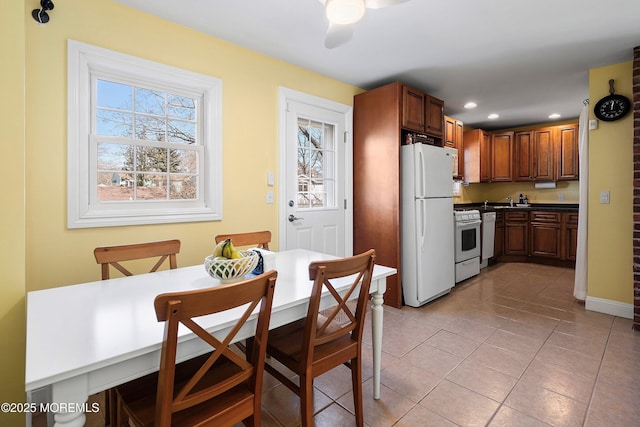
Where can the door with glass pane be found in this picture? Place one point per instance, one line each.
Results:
(314, 205)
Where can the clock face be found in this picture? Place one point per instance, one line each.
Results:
(612, 108)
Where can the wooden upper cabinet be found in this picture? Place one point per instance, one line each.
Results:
(544, 165)
(523, 156)
(413, 109)
(501, 156)
(449, 132)
(434, 122)
(422, 112)
(567, 153)
(476, 147)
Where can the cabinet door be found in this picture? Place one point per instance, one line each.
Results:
(485, 156)
(522, 156)
(413, 112)
(544, 167)
(449, 132)
(545, 236)
(434, 121)
(501, 156)
(567, 153)
(570, 243)
(498, 244)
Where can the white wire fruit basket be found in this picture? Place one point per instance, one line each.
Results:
(231, 270)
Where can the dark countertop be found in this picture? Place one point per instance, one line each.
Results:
(504, 207)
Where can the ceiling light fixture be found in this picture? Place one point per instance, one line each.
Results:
(470, 105)
(345, 12)
(493, 116)
(555, 116)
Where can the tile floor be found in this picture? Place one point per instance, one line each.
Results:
(510, 347)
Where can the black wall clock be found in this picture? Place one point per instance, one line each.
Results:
(612, 107)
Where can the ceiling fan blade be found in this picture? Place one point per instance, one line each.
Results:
(338, 35)
(378, 4)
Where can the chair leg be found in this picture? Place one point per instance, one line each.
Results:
(356, 380)
(306, 400)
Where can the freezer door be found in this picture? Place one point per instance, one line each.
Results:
(435, 239)
(432, 171)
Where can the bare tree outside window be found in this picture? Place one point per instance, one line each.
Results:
(315, 155)
(145, 163)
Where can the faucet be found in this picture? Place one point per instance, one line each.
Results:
(485, 204)
(510, 199)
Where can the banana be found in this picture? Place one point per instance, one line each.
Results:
(217, 251)
(228, 249)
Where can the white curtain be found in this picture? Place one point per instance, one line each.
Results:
(580, 285)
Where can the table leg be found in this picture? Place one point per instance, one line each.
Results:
(69, 401)
(376, 331)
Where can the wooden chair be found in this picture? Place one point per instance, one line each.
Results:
(220, 388)
(114, 255)
(317, 344)
(259, 238)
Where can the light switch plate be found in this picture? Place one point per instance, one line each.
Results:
(605, 197)
(593, 124)
(270, 179)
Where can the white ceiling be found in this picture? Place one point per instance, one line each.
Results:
(521, 59)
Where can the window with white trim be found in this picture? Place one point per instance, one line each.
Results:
(144, 144)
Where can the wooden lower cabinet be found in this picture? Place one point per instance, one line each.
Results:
(570, 234)
(546, 235)
(537, 236)
(516, 233)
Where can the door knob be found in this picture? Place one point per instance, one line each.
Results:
(293, 218)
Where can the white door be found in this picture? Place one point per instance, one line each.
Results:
(315, 174)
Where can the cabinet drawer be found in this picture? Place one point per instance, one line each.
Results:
(571, 218)
(516, 216)
(538, 216)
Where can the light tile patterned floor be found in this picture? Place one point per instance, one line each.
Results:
(510, 347)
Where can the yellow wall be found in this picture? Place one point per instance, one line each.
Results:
(610, 274)
(565, 192)
(12, 224)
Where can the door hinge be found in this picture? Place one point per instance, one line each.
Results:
(345, 204)
(345, 137)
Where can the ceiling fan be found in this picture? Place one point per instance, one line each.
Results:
(342, 14)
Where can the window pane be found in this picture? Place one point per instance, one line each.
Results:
(112, 156)
(150, 101)
(183, 187)
(150, 128)
(151, 186)
(151, 159)
(181, 132)
(185, 161)
(114, 123)
(114, 95)
(181, 107)
(114, 186)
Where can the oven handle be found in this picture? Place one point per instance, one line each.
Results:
(461, 224)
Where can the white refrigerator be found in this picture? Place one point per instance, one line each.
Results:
(427, 262)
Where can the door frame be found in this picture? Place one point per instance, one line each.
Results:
(284, 96)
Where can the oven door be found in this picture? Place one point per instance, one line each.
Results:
(467, 240)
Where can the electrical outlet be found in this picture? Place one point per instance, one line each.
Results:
(605, 197)
(269, 197)
(561, 197)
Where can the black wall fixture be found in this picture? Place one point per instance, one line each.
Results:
(41, 15)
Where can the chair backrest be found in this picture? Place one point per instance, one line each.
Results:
(259, 238)
(321, 329)
(114, 255)
(175, 394)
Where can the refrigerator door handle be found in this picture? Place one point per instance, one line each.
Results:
(422, 214)
(419, 172)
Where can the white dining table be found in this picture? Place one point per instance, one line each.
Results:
(89, 337)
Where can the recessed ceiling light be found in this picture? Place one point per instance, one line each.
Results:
(470, 105)
(493, 116)
(554, 116)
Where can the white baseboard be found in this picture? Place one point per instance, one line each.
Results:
(607, 306)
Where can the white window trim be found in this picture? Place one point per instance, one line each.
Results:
(83, 59)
